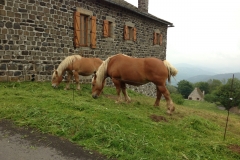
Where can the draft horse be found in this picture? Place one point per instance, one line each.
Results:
(75, 65)
(124, 70)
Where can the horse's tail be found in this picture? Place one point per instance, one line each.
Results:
(172, 71)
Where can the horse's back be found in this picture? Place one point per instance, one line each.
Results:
(85, 66)
(140, 70)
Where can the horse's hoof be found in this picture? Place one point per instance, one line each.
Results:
(169, 112)
(128, 101)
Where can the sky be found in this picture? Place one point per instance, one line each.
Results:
(205, 33)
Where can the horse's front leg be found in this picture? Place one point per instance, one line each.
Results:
(166, 94)
(76, 76)
(124, 91)
(69, 77)
(118, 89)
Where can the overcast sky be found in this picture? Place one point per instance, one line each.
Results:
(206, 32)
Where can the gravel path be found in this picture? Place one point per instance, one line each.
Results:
(17, 143)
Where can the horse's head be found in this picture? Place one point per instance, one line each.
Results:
(96, 87)
(56, 79)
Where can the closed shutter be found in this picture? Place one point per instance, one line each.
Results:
(154, 38)
(76, 18)
(105, 28)
(126, 33)
(93, 32)
(134, 34)
(160, 39)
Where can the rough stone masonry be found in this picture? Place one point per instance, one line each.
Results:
(36, 35)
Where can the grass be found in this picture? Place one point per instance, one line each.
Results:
(124, 130)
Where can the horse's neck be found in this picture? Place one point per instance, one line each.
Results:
(61, 70)
(64, 65)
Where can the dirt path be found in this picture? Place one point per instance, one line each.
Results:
(17, 143)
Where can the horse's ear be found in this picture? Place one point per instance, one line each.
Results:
(56, 72)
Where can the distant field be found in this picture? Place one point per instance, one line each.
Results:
(135, 130)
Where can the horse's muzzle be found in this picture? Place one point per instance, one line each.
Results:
(54, 85)
(95, 96)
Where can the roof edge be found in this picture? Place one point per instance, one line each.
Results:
(142, 13)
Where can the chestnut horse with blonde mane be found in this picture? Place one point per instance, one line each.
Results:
(75, 65)
(124, 70)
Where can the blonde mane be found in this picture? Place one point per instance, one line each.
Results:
(101, 72)
(63, 65)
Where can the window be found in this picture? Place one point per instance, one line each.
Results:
(84, 28)
(108, 28)
(157, 38)
(130, 32)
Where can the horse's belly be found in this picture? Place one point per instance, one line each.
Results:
(135, 82)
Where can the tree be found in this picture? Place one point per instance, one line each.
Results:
(214, 84)
(210, 98)
(185, 88)
(172, 89)
(203, 86)
(229, 94)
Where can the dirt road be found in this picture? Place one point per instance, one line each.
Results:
(17, 143)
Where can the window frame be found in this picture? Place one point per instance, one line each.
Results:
(157, 37)
(130, 32)
(84, 28)
(85, 32)
(109, 28)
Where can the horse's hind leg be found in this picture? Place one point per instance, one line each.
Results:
(124, 91)
(163, 90)
(159, 95)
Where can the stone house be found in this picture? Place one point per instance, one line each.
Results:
(36, 35)
(197, 95)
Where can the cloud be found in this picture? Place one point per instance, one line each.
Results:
(205, 32)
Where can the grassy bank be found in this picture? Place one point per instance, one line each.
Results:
(122, 131)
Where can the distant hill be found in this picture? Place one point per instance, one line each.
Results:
(205, 78)
(195, 74)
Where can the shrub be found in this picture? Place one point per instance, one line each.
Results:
(177, 98)
(210, 98)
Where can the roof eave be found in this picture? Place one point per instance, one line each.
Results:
(169, 24)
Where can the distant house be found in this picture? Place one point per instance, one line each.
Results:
(197, 95)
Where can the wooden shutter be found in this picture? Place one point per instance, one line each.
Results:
(93, 32)
(154, 38)
(160, 39)
(126, 32)
(105, 28)
(134, 34)
(76, 24)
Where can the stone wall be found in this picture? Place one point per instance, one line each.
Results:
(36, 35)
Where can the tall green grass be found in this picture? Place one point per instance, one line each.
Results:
(123, 130)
